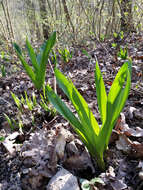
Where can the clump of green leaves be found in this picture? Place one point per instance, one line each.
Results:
(95, 138)
(4, 56)
(30, 103)
(119, 35)
(114, 45)
(11, 122)
(20, 102)
(123, 53)
(14, 124)
(38, 70)
(17, 101)
(66, 55)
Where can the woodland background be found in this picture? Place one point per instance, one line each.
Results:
(76, 21)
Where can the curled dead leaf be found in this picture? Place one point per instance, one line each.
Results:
(132, 148)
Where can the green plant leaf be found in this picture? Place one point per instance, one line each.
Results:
(65, 111)
(96, 139)
(101, 93)
(27, 68)
(40, 76)
(2, 138)
(117, 97)
(32, 55)
(86, 116)
(17, 48)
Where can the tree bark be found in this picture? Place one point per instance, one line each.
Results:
(32, 21)
(126, 15)
(67, 15)
(43, 15)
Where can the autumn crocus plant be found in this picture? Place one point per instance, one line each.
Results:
(95, 138)
(37, 73)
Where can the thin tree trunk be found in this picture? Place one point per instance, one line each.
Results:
(126, 15)
(32, 21)
(100, 18)
(9, 19)
(43, 14)
(67, 15)
(7, 23)
(49, 6)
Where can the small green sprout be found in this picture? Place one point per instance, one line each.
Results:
(38, 71)
(3, 71)
(114, 45)
(20, 125)
(2, 139)
(121, 35)
(123, 53)
(34, 99)
(4, 56)
(44, 104)
(22, 100)
(29, 102)
(66, 55)
(17, 101)
(11, 122)
(102, 37)
(25, 101)
(115, 35)
(95, 138)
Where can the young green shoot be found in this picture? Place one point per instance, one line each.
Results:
(3, 71)
(38, 70)
(95, 138)
(17, 101)
(66, 55)
(11, 122)
(123, 53)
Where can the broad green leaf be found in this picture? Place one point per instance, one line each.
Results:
(32, 55)
(65, 111)
(47, 48)
(39, 55)
(115, 103)
(17, 48)
(78, 127)
(86, 116)
(40, 77)
(37, 74)
(101, 93)
(116, 89)
(94, 138)
(27, 68)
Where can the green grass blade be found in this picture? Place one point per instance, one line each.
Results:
(85, 115)
(32, 55)
(101, 93)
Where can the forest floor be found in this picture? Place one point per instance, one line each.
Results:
(47, 144)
